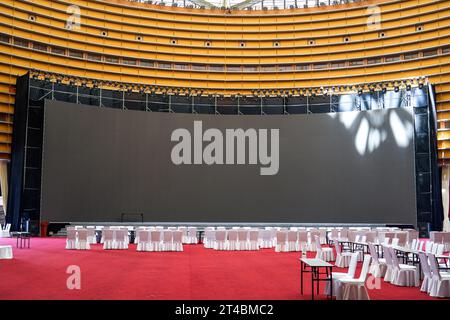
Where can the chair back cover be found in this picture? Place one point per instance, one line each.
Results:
(71, 234)
(292, 236)
(155, 235)
(82, 234)
(108, 234)
(254, 234)
(365, 268)
(232, 235)
(434, 266)
(424, 264)
(221, 235)
(302, 236)
(281, 236)
(177, 236)
(352, 267)
(144, 235)
(167, 236)
(243, 235)
(373, 253)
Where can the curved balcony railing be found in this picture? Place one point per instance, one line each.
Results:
(247, 4)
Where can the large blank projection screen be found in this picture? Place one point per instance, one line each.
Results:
(348, 167)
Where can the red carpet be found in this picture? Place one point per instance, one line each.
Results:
(196, 273)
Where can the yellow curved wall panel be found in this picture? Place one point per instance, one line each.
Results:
(247, 49)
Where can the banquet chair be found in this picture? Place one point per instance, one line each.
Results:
(120, 239)
(92, 238)
(191, 235)
(355, 289)
(342, 258)
(292, 240)
(155, 240)
(325, 254)
(5, 232)
(323, 235)
(71, 241)
(177, 242)
(253, 243)
(143, 244)
(378, 266)
(167, 239)
(312, 242)
(281, 242)
(183, 234)
(302, 237)
(404, 275)
(265, 239)
(337, 276)
(427, 276)
(402, 238)
(334, 234)
(243, 239)
(343, 234)
(232, 242)
(388, 276)
(440, 283)
(209, 238)
(108, 236)
(82, 241)
(221, 240)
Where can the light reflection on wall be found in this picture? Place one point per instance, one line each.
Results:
(368, 128)
(370, 131)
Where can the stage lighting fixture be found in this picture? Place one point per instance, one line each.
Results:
(360, 91)
(396, 88)
(408, 87)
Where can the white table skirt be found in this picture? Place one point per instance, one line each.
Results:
(6, 252)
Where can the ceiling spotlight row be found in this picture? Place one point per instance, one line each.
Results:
(395, 86)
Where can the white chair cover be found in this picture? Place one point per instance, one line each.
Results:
(342, 258)
(121, 239)
(325, 254)
(440, 283)
(143, 243)
(281, 242)
(355, 289)
(177, 244)
(265, 239)
(253, 243)
(92, 238)
(232, 240)
(221, 240)
(155, 240)
(427, 277)
(243, 243)
(108, 239)
(292, 241)
(378, 266)
(167, 240)
(82, 242)
(302, 237)
(337, 276)
(404, 275)
(71, 241)
(191, 235)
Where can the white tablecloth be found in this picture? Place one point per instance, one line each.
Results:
(6, 252)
